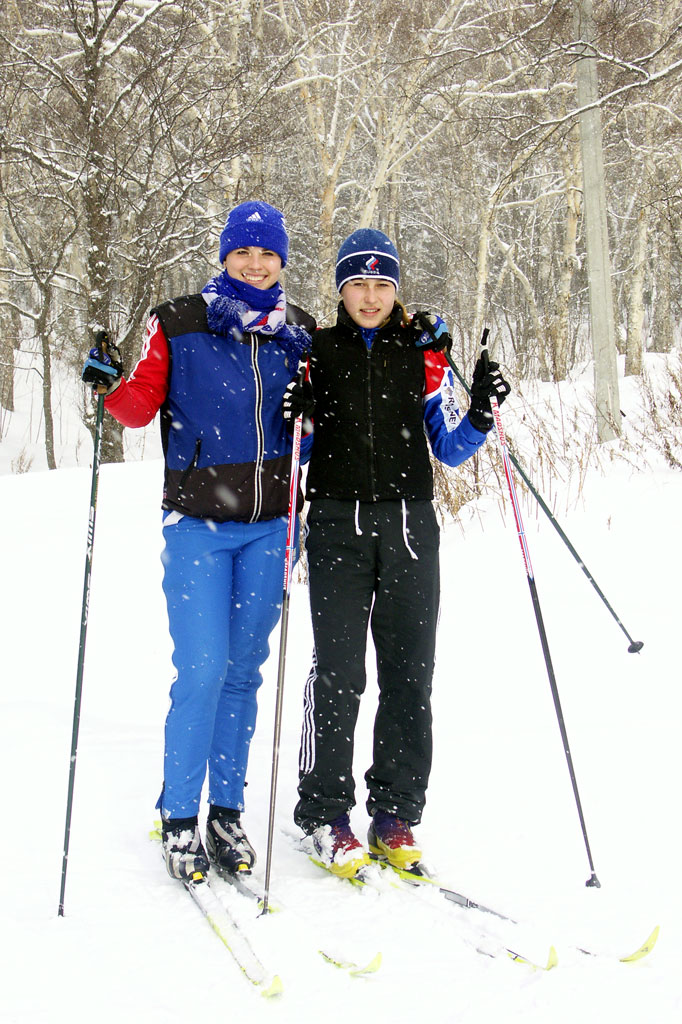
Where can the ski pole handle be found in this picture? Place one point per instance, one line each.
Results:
(484, 346)
(102, 389)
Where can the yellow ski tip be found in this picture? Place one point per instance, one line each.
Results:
(354, 969)
(643, 950)
(275, 988)
(552, 959)
(370, 968)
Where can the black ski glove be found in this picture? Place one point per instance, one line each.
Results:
(299, 401)
(488, 382)
(433, 332)
(103, 368)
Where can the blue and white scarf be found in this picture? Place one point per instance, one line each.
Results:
(235, 306)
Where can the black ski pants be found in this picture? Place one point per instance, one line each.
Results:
(376, 565)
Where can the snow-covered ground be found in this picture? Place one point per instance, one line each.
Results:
(500, 825)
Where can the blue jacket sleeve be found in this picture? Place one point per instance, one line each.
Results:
(452, 437)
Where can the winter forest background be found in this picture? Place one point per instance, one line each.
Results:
(130, 127)
(481, 136)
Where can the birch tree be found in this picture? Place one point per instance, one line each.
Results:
(130, 119)
(130, 128)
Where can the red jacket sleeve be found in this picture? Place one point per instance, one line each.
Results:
(136, 401)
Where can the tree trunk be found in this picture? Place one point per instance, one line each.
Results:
(98, 232)
(561, 327)
(482, 268)
(43, 334)
(606, 397)
(633, 346)
(9, 333)
(9, 340)
(663, 325)
(327, 254)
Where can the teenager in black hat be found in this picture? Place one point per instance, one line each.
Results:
(384, 397)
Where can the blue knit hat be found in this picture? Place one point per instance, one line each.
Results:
(367, 253)
(255, 223)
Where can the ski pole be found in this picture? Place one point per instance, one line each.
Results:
(592, 880)
(279, 700)
(83, 634)
(635, 645)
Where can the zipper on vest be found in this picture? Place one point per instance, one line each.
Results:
(192, 466)
(370, 429)
(260, 440)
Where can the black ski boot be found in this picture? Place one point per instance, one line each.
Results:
(183, 849)
(226, 841)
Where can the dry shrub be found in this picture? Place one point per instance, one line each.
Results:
(661, 425)
(550, 432)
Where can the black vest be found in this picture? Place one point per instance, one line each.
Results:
(370, 443)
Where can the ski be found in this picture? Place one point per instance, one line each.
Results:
(245, 884)
(228, 930)
(487, 946)
(418, 876)
(643, 950)
(354, 969)
(414, 880)
(231, 935)
(552, 959)
(630, 958)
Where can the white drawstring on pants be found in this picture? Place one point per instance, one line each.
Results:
(358, 531)
(407, 543)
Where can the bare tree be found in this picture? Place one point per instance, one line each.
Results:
(131, 128)
(124, 118)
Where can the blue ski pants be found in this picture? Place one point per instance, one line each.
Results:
(223, 584)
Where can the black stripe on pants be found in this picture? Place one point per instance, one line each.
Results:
(360, 579)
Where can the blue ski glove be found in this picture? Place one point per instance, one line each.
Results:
(103, 367)
(433, 334)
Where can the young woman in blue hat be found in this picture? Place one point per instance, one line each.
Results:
(216, 365)
(382, 386)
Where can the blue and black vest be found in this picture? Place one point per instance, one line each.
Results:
(227, 451)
